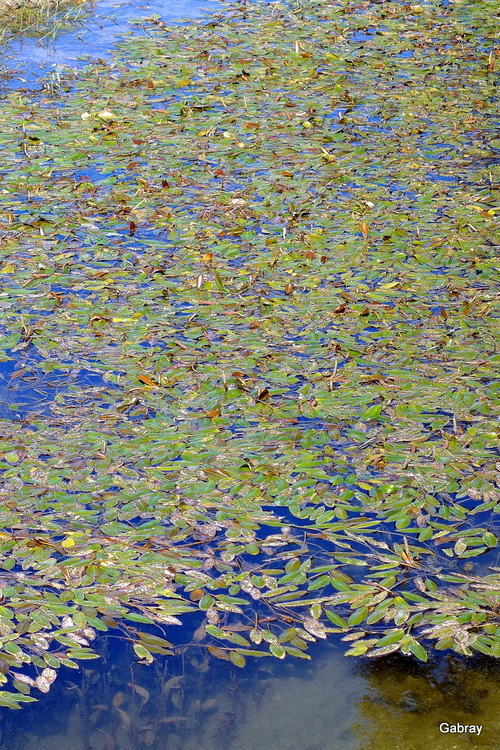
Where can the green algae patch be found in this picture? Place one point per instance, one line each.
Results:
(272, 236)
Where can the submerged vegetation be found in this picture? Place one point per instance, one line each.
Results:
(271, 238)
(40, 17)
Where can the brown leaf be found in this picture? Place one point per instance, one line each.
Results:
(172, 683)
(213, 413)
(140, 691)
(196, 595)
(147, 380)
(218, 652)
(125, 718)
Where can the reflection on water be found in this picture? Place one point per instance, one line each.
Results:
(405, 704)
(192, 701)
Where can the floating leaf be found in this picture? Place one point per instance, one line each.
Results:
(460, 546)
(277, 650)
(237, 659)
(263, 392)
(490, 539)
(358, 616)
(143, 653)
(384, 650)
(419, 651)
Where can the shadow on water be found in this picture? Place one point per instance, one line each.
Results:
(192, 701)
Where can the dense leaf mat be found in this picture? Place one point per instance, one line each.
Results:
(273, 237)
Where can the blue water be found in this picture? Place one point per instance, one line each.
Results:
(190, 701)
(29, 60)
(28, 388)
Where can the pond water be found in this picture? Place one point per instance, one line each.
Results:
(190, 700)
(31, 61)
(186, 702)
(32, 58)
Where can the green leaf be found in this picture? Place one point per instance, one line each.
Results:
(135, 617)
(277, 650)
(153, 640)
(359, 649)
(372, 412)
(12, 700)
(237, 659)
(358, 616)
(419, 651)
(216, 632)
(143, 653)
(219, 282)
(206, 602)
(460, 546)
(393, 636)
(12, 457)
(236, 638)
(336, 619)
(490, 539)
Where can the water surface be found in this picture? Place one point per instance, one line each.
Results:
(193, 702)
(31, 58)
(190, 701)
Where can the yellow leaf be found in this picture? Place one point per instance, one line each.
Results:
(328, 156)
(68, 542)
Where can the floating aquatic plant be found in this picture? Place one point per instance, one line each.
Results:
(272, 237)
